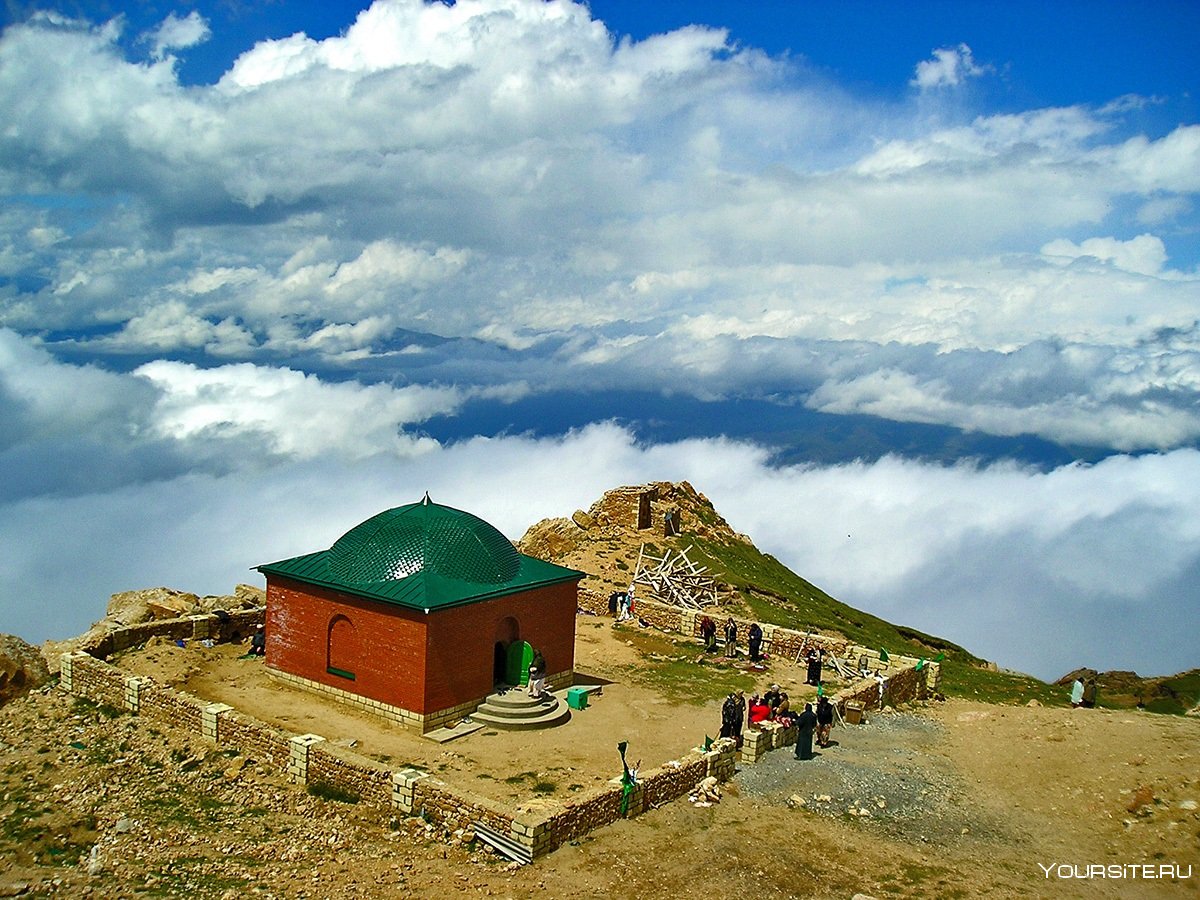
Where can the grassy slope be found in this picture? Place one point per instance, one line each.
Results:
(773, 593)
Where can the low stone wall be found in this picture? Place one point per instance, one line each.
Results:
(208, 626)
(308, 759)
(786, 643)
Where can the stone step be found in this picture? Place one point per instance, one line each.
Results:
(556, 716)
(518, 700)
(515, 710)
(525, 711)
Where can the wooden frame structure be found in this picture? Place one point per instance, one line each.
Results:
(675, 579)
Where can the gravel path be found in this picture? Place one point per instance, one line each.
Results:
(886, 774)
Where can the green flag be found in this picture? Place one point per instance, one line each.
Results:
(940, 657)
(883, 657)
(920, 664)
(626, 779)
(820, 690)
(707, 743)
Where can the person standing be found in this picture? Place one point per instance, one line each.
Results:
(728, 716)
(814, 667)
(708, 631)
(739, 718)
(824, 720)
(1077, 693)
(754, 642)
(806, 724)
(730, 638)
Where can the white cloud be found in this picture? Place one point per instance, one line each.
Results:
(950, 67)
(1143, 255)
(295, 414)
(175, 33)
(1041, 571)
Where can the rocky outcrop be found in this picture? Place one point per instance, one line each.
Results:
(146, 605)
(22, 668)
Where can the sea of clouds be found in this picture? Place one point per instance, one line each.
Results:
(226, 310)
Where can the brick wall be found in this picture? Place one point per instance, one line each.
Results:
(391, 642)
(461, 641)
(437, 666)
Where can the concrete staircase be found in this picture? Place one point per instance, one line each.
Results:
(512, 709)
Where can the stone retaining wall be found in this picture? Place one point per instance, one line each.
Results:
(200, 627)
(906, 678)
(784, 643)
(308, 759)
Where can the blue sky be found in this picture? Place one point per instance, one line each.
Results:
(911, 292)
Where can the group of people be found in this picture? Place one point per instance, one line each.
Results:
(773, 706)
(809, 723)
(1083, 693)
(708, 634)
(621, 604)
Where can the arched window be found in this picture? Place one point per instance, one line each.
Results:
(342, 658)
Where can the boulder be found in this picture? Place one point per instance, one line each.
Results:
(244, 596)
(135, 607)
(22, 668)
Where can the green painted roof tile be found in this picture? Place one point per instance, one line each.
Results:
(423, 556)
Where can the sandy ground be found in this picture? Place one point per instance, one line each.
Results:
(953, 799)
(490, 763)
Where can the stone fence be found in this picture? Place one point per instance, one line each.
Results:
(898, 679)
(307, 759)
(231, 628)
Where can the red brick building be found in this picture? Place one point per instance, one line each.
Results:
(417, 613)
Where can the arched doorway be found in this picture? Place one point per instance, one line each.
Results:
(508, 632)
(342, 648)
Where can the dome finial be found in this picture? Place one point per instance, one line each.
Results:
(426, 501)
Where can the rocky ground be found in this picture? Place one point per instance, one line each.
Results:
(955, 798)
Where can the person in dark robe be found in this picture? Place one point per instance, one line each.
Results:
(824, 720)
(814, 668)
(614, 603)
(754, 642)
(1089, 694)
(730, 638)
(807, 723)
(729, 716)
(708, 631)
(740, 718)
(258, 642)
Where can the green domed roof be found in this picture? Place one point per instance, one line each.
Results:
(423, 556)
(424, 537)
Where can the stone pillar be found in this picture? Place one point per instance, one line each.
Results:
(297, 768)
(201, 626)
(210, 717)
(721, 759)
(687, 622)
(133, 692)
(755, 745)
(533, 832)
(66, 670)
(404, 789)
